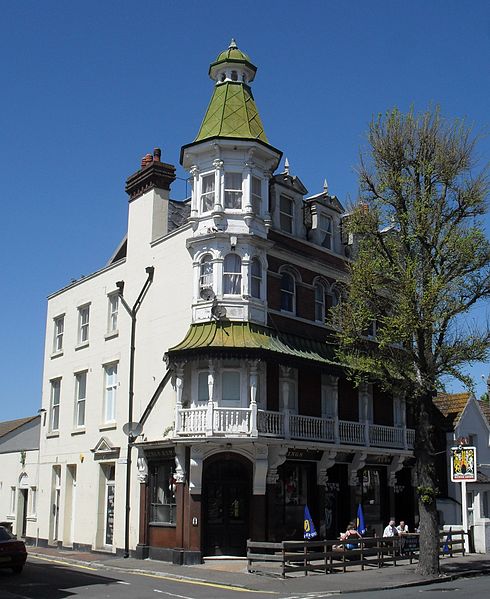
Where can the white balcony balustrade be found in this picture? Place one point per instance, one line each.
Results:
(215, 420)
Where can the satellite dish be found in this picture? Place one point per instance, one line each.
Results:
(207, 294)
(132, 429)
(218, 311)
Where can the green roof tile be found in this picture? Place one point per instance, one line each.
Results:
(232, 112)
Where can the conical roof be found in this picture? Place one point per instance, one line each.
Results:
(232, 111)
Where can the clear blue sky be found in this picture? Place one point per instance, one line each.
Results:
(88, 87)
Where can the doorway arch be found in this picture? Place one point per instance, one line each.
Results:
(226, 495)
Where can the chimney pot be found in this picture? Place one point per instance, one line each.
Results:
(157, 154)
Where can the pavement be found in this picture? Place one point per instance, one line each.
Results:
(233, 572)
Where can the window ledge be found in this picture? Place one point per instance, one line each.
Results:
(111, 334)
(108, 426)
(56, 354)
(52, 435)
(78, 431)
(10, 517)
(81, 345)
(31, 518)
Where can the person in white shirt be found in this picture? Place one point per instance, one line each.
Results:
(390, 530)
(402, 527)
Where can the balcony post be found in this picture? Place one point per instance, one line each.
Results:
(179, 387)
(210, 410)
(253, 398)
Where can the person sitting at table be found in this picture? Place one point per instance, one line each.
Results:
(390, 530)
(350, 534)
(402, 528)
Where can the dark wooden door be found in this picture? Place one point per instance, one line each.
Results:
(226, 503)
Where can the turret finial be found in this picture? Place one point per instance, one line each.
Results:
(232, 45)
(325, 186)
(286, 166)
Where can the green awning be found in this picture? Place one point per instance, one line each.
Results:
(247, 338)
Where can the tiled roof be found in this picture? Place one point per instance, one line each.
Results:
(11, 425)
(451, 405)
(232, 112)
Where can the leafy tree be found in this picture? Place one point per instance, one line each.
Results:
(421, 262)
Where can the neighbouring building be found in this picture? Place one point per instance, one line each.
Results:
(246, 416)
(468, 421)
(19, 459)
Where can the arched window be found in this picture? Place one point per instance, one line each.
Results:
(255, 277)
(288, 292)
(206, 273)
(319, 302)
(232, 275)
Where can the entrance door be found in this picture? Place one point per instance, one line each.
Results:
(226, 501)
(23, 508)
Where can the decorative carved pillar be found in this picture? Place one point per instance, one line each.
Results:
(142, 466)
(218, 205)
(194, 171)
(261, 468)
(253, 383)
(179, 387)
(179, 478)
(195, 470)
(333, 390)
(210, 410)
(285, 374)
(327, 461)
(357, 464)
(364, 396)
(266, 199)
(247, 192)
(277, 456)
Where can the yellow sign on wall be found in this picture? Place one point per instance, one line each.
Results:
(463, 464)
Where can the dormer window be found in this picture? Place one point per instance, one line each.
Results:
(256, 195)
(325, 227)
(286, 207)
(233, 191)
(207, 193)
(232, 275)
(206, 273)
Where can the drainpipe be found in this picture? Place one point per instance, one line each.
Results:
(132, 313)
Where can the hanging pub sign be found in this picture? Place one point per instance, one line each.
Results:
(463, 464)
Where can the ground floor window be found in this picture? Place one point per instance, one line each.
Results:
(162, 492)
(296, 488)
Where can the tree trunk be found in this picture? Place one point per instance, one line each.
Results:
(427, 489)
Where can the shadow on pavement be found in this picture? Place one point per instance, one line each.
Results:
(49, 581)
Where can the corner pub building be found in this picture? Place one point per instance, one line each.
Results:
(247, 417)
